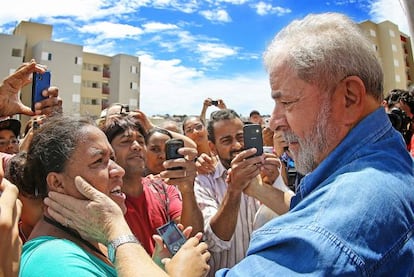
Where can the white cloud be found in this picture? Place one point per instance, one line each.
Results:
(214, 51)
(111, 30)
(158, 26)
(168, 87)
(263, 8)
(390, 10)
(219, 15)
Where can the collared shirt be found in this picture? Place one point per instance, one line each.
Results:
(210, 190)
(352, 216)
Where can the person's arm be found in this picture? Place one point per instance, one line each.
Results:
(206, 104)
(10, 242)
(275, 199)
(184, 180)
(147, 125)
(223, 223)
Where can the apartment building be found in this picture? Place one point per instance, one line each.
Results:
(394, 50)
(87, 82)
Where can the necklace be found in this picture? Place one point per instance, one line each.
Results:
(73, 234)
(22, 234)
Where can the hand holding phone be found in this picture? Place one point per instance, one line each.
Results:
(252, 136)
(172, 236)
(40, 83)
(171, 150)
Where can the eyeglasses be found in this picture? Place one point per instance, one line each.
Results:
(197, 127)
(6, 142)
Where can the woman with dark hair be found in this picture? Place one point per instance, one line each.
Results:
(63, 149)
(194, 128)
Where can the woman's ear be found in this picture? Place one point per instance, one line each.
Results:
(55, 182)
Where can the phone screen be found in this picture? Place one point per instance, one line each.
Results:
(172, 236)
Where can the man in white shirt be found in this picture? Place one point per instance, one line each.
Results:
(227, 197)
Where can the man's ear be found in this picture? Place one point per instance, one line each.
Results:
(55, 182)
(212, 147)
(354, 95)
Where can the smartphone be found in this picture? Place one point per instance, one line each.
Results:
(171, 151)
(172, 236)
(252, 136)
(214, 102)
(40, 82)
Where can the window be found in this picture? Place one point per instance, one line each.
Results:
(397, 78)
(134, 69)
(75, 98)
(396, 63)
(77, 79)
(133, 102)
(46, 56)
(16, 52)
(394, 48)
(78, 60)
(133, 85)
(392, 33)
(372, 33)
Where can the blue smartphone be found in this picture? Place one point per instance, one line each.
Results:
(40, 83)
(172, 236)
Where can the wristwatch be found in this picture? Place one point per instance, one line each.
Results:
(114, 244)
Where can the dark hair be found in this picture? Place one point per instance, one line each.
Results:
(51, 148)
(117, 124)
(224, 114)
(254, 112)
(190, 118)
(154, 130)
(14, 172)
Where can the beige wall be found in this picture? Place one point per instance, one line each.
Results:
(394, 54)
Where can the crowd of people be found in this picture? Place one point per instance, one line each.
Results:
(333, 196)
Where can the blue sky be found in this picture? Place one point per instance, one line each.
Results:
(189, 50)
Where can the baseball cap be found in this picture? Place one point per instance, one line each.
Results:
(11, 124)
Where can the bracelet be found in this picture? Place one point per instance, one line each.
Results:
(114, 244)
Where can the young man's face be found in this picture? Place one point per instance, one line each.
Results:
(130, 151)
(8, 142)
(229, 140)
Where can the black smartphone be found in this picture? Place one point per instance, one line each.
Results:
(172, 236)
(214, 102)
(252, 136)
(171, 151)
(40, 83)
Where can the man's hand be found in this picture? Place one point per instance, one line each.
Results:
(270, 169)
(99, 218)
(206, 164)
(183, 178)
(10, 103)
(243, 169)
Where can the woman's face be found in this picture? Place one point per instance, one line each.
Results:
(195, 130)
(156, 152)
(93, 160)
